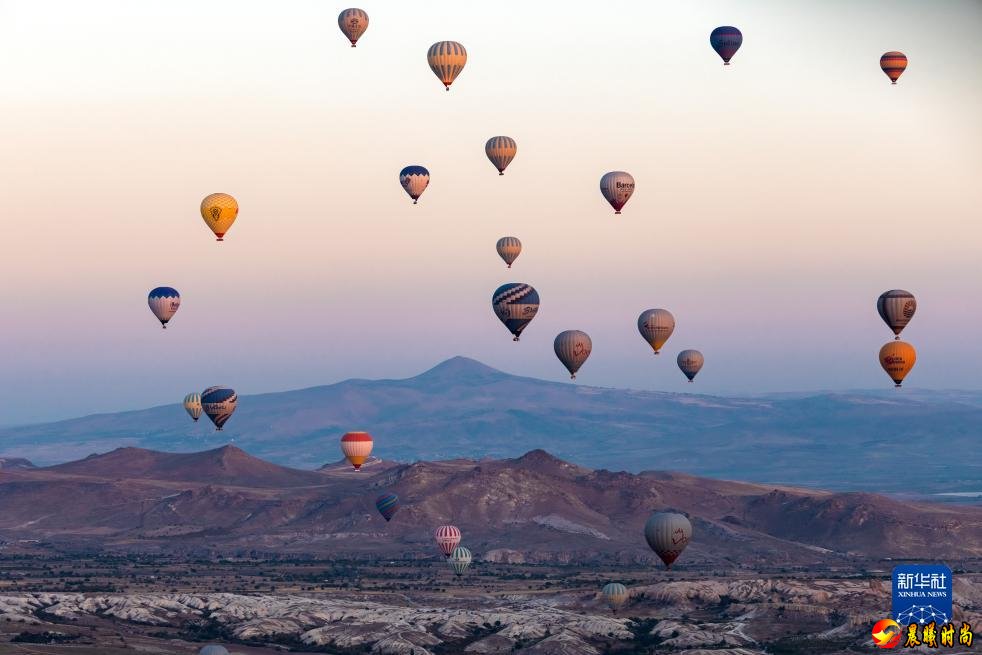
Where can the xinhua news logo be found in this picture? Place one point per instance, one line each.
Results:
(922, 611)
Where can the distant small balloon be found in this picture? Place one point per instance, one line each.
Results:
(414, 179)
(501, 150)
(897, 358)
(357, 446)
(726, 41)
(460, 560)
(219, 403)
(896, 308)
(690, 362)
(515, 304)
(656, 326)
(164, 303)
(617, 187)
(219, 211)
(387, 504)
(615, 594)
(192, 405)
(509, 248)
(668, 534)
(447, 538)
(894, 64)
(572, 348)
(446, 60)
(353, 23)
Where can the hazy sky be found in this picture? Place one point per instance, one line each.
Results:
(776, 198)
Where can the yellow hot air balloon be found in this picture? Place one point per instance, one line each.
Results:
(219, 211)
(446, 59)
(897, 358)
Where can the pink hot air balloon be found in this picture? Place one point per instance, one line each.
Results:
(447, 538)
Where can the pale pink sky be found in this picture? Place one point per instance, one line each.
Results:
(776, 198)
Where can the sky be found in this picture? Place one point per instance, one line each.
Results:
(776, 198)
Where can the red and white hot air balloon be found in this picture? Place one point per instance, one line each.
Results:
(357, 446)
(447, 538)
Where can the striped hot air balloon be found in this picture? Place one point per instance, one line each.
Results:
(668, 534)
(353, 23)
(690, 362)
(515, 304)
(219, 211)
(896, 308)
(726, 40)
(615, 594)
(894, 64)
(387, 505)
(446, 59)
(656, 326)
(617, 187)
(357, 446)
(414, 179)
(460, 560)
(897, 358)
(572, 348)
(164, 303)
(501, 150)
(219, 403)
(192, 405)
(447, 538)
(509, 248)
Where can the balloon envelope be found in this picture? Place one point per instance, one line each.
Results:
(515, 304)
(219, 403)
(460, 559)
(617, 187)
(656, 326)
(446, 60)
(509, 248)
(897, 358)
(615, 594)
(387, 504)
(896, 308)
(447, 538)
(690, 361)
(192, 405)
(572, 348)
(357, 446)
(219, 211)
(893, 64)
(501, 150)
(353, 23)
(164, 302)
(668, 534)
(726, 40)
(414, 179)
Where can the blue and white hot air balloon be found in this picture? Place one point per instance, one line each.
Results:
(414, 180)
(515, 304)
(218, 403)
(164, 302)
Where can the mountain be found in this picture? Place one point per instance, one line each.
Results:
(534, 508)
(15, 463)
(891, 441)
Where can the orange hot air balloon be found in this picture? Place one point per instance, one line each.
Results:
(897, 358)
(357, 446)
(893, 64)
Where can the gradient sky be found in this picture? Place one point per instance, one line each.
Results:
(776, 198)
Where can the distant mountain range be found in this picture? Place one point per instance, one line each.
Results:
(535, 508)
(899, 441)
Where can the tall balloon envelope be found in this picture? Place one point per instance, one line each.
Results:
(446, 59)
(509, 248)
(615, 594)
(218, 403)
(353, 23)
(690, 362)
(896, 308)
(447, 538)
(894, 64)
(460, 559)
(656, 326)
(726, 40)
(501, 150)
(515, 304)
(897, 358)
(164, 303)
(617, 187)
(668, 534)
(572, 348)
(414, 179)
(192, 405)
(357, 446)
(387, 505)
(219, 211)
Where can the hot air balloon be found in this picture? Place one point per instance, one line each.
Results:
(387, 505)
(690, 361)
(192, 405)
(353, 22)
(893, 63)
(668, 534)
(726, 41)
(509, 248)
(896, 308)
(572, 348)
(357, 446)
(446, 59)
(213, 650)
(164, 302)
(897, 358)
(447, 538)
(218, 403)
(414, 179)
(656, 326)
(615, 594)
(460, 560)
(501, 150)
(219, 211)
(515, 304)
(617, 187)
